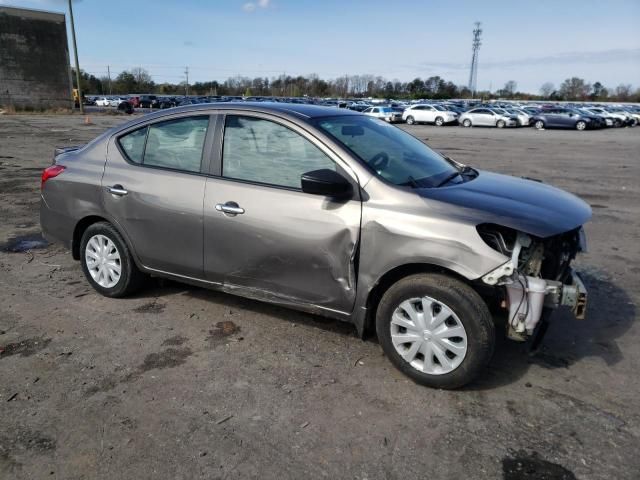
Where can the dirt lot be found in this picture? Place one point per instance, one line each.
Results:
(180, 382)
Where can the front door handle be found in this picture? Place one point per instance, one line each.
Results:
(118, 190)
(230, 208)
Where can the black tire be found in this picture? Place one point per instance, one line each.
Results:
(617, 123)
(439, 121)
(466, 123)
(500, 124)
(581, 125)
(539, 124)
(410, 120)
(131, 279)
(467, 305)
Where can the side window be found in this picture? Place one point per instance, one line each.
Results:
(176, 143)
(263, 151)
(133, 144)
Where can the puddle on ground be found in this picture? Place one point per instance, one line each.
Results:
(23, 243)
(223, 329)
(531, 467)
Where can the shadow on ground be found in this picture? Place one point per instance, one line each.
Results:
(610, 314)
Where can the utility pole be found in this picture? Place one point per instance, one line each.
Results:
(75, 52)
(473, 74)
(109, 75)
(186, 87)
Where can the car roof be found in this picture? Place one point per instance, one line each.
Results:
(299, 111)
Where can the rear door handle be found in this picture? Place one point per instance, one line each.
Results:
(230, 208)
(117, 190)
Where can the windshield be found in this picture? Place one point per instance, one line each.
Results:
(389, 151)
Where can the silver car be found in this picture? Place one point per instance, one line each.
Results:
(327, 211)
(487, 117)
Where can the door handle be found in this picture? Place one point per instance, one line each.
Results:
(117, 190)
(230, 208)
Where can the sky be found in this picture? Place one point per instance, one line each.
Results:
(529, 42)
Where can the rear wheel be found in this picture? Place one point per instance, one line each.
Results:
(107, 262)
(436, 330)
(466, 122)
(439, 121)
(581, 125)
(410, 120)
(539, 124)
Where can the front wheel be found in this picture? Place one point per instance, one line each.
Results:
(581, 125)
(500, 124)
(539, 124)
(439, 121)
(410, 120)
(436, 330)
(107, 262)
(466, 122)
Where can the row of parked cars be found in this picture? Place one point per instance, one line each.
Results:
(579, 117)
(447, 112)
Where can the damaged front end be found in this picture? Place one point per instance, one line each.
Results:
(538, 275)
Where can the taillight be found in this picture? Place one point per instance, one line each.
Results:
(50, 172)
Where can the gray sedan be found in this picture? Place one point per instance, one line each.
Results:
(327, 211)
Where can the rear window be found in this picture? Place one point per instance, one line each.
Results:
(133, 144)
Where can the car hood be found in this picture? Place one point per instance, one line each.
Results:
(526, 205)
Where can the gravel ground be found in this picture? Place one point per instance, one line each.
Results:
(181, 382)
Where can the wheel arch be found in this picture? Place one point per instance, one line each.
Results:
(366, 324)
(89, 220)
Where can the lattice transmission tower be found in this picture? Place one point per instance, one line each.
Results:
(473, 74)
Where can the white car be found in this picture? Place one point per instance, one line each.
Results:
(487, 117)
(522, 117)
(115, 101)
(103, 102)
(384, 113)
(609, 120)
(619, 118)
(425, 113)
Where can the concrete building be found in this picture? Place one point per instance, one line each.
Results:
(34, 59)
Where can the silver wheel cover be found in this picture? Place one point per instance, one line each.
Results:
(103, 261)
(428, 335)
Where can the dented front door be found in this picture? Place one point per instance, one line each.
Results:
(281, 245)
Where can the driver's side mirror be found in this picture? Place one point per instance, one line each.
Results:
(326, 182)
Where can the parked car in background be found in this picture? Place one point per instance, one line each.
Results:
(609, 120)
(115, 101)
(387, 114)
(134, 100)
(148, 101)
(486, 117)
(522, 117)
(322, 210)
(103, 102)
(558, 117)
(428, 113)
(628, 118)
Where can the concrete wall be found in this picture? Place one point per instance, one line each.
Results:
(34, 59)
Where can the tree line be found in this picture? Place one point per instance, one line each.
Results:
(138, 80)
